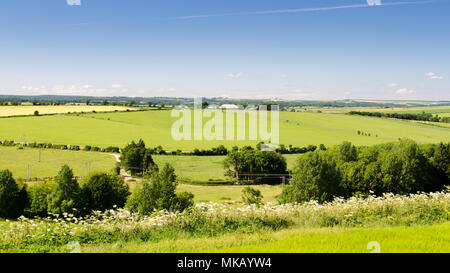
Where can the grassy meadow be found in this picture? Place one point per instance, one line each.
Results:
(154, 127)
(415, 239)
(191, 168)
(414, 223)
(228, 193)
(17, 161)
(203, 168)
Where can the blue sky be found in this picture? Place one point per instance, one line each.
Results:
(303, 49)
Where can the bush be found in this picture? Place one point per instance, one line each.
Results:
(159, 194)
(251, 196)
(314, 178)
(96, 149)
(75, 148)
(12, 197)
(112, 149)
(136, 158)
(183, 201)
(65, 194)
(103, 191)
(38, 198)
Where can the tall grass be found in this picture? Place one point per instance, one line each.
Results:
(211, 219)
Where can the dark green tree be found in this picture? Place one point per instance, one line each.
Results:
(102, 191)
(11, 197)
(159, 194)
(65, 194)
(136, 158)
(315, 177)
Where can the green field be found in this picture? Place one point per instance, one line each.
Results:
(300, 129)
(418, 110)
(417, 239)
(193, 168)
(17, 161)
(228, 193)
(203, 168)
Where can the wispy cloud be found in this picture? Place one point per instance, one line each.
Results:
(234, 76)
(265, 12)
(433, 76)
(405, 91)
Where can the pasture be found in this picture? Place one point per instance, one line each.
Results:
(25, 163)
(228, 193)
(203, 168)
(154, 127)
(26, 110)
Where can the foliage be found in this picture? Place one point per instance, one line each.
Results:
(12, 199)
(401, 168)
(136, 158)
(315, 178)
(102, 191)
(251, 196)
(65, 195)
(211, 219)
(38, 198)
(159, 193)
(251, 165)
(408, 116)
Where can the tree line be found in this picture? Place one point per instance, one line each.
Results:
(345, 171)
(100, 191)
(408, 116)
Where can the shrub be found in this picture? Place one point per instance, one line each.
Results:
(96, 149)
(75, 148)
(65, 194)
(159, 194)
(251, 196)
(11, 196)
(136, 158)
(87, 148)
(103, 191)
(38, 198)
(111, 149)
(315, 178)
(183, 201)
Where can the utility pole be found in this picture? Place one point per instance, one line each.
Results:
(29, 172)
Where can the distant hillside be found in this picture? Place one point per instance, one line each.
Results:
(57, 99)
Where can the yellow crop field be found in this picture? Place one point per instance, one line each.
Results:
(23, 110)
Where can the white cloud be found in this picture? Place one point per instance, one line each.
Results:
(405, 91)
(433, 76)
(235, 76)
(347, 93)
(392, 84)
(116, 86)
